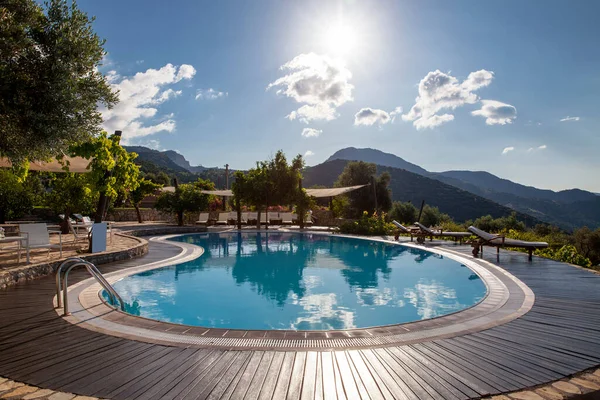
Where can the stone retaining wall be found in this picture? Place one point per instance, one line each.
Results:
(28, 272)
(167, 230)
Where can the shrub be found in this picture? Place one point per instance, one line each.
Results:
(368, 225)
(405, 213)
(567, 253)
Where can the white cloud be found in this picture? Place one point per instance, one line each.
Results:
(320, 82)
(542, 147)
(311, 132)
(369, 116)
(496, 112)
(439, 91)
(507, 150)
(309, 153)
(210, 94)
(567, 119)
(136, 114)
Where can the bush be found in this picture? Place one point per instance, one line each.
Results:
(489, 224)
(368, 225)
(567, 253)
(405, 213)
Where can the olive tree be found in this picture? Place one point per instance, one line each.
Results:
(51, 86)
(186, 197)
(145, 188)
(15, 197)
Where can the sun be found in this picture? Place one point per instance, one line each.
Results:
(340, 39)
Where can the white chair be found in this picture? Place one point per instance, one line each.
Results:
(233, 217)
(78, 234)
(308, 219)
(273, 216)
(245, 217)
(294, 218)
(38, 237)
(223, 218)
(263, 218)
(252, 216)
(286, 218)
(203, 219)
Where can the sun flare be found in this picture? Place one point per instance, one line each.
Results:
(340, 39)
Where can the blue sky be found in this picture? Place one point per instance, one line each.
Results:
(210, 82)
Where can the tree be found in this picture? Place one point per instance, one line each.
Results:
(362, 173)
(431, 216)
(251, 189)
(144, 189)
(186, 197)
(405, 213)
(15, 197)
(71, 193)
(51, 87)
(112, 168)
(587, 243)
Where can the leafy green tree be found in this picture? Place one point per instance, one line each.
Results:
(144, 189)
(251, 189)
(112, 168)
(51, 87)
(587, 243)
(71, 193)
(186, 197)
(15, 197)
(362, 173)
(405, 213)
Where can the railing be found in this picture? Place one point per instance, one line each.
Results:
(62, 283)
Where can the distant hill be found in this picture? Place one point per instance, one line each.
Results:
(376, 157)
(568, 208)
(408, 186)
(486, 181)
(168, 159)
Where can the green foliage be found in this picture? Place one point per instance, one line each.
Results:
(187, 197)
(16, 198)
(495, 225)
(339, 206)
(107, 155)
(161, 178)
(144, 189)
(71, 193)
(403, 212)
(432, 216)
(567, 253)
(369, 225)
(361, 173)
(587, 243)
(51, 87)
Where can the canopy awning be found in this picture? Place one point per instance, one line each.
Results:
(329, 192)
(76, 164)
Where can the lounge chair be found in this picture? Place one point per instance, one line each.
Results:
(38, 237)
(497, 241)
(232, 217)
(294, 218)
(223, 217)
(263, 218)
(251, 219)
(203, 219)
(403, 229)
(286, 218)
(80, 233)
(273, 218)
(245, 217)
(457, 236)
(308, 219)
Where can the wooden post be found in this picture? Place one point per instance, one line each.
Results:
(421, 211)
(300, 208)
(374, 191)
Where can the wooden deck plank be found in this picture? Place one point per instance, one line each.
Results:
(329, 390)
(268, 387)
(346, 376)
(310, 376)
(283, 380)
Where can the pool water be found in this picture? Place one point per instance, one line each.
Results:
(300, 281)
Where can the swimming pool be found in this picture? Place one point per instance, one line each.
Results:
(297, 281)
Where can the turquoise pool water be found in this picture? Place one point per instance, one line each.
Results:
(300, 281)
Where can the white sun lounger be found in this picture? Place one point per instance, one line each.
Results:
(203, 219)
(286, 218)
(273, 217)
(252, 216)
(223, 217)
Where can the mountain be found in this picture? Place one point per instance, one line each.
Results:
(568, 209)
(159, 158)
(485, 180)
(408, 186)
(167, 159)
(376, 157)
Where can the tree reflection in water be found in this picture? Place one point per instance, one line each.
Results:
(280, 280)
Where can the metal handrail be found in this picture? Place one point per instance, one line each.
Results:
(74, 262)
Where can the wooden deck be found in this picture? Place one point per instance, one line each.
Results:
(558, 337)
